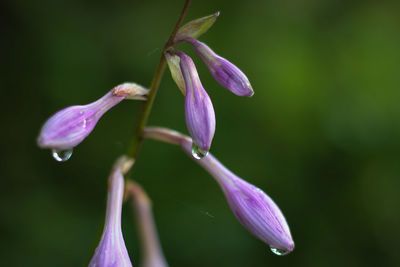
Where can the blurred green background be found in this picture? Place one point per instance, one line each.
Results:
(321, 135)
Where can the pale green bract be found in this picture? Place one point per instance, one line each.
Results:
(197, 27)
(176, 73)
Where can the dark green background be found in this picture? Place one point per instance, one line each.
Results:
(321, 135)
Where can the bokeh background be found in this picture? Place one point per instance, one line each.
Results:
(321, 135)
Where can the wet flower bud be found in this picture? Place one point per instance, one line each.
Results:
(68, 127)
(111, 250)
(254, 209)
(223, 71)
(195, 28)
(199, 111)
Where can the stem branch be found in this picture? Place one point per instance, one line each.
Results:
(137, 137)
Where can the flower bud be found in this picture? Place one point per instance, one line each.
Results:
(254, 209)
(223, 71)
(111, 250)
(199, 111)
(68, 127)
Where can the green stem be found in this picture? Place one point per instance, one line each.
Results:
(137, 137)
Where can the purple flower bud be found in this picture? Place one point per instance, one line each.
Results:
(199, 111)
(111, 250)
(254, 209)
(223, 71)
(68, 127)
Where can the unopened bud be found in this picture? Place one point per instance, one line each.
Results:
(70, 126)
(254, 209)
(111, 250)
(223, 71)
(199, 111)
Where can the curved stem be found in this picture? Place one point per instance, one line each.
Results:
(137, 137)
(152, 254)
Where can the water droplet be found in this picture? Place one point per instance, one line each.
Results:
(280, 252)
(197, 152)
(61, 155)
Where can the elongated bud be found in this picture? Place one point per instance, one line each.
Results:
(223, 71)
(197, 27)
(70, 126)
(199, 111)
(254, 209)
(111, 251)
(176, 73)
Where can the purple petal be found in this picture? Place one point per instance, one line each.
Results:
(223, 71)
(199, 111)
(254, 209)
(111, 250)
(70, 126)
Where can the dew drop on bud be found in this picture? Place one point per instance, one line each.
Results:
(61, 155)
(279, 252)
(198, 153)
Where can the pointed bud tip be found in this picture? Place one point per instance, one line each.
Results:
(250, 93)
(130, 91)
(290, 246)
(250, 203)
(40, 142)
(285, 245)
